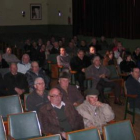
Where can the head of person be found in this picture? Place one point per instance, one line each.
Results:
(64, 80)
(28, 42)
(128, 57)
(75, 38)
(92, 95)
(63, 39)
(56, 45)
(13, 68)
(92, 50)
(62, 51)
(52, 39)
(40, 41)
(48, 43)
(102, 38)
(55, 96)
(8, 50)
(34, 44)
(135, 73)
(94, 40)
(35, 67)
(43, 47)
(115, 41)
(80, 54)
(97, 61)
(71, 45)
(25, 59)
(83, 43)
(137, 50)
(39, 84)
(111, 55)
(119, 45)
(60, 43)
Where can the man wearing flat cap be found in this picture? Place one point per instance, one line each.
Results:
(69, 92)
(95, 113)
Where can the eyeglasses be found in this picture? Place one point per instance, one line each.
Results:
(55, 96)
(40, 83)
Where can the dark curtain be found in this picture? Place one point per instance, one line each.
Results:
(112, 18)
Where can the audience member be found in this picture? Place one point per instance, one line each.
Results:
(133, 86)
(113, 44)
(39, 43)
(71, 49)
(9, 57)
(93, 53)
(38, 97)
(95, 44)
(127, 64)
(95, 113)
(100, 81)
(79, 63)
(69, 92)
(16, 82)
(136, 56)
(41, 56)
(25, 64)
(103, 43)
(83, 46)
(58, 117)
(34, 51)
(55, 49)
(27, 47)
(3, 63)
(35, 72)
(63, 59)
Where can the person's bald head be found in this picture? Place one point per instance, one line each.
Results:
(35, 67)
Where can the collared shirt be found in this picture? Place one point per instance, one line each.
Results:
(59, 107)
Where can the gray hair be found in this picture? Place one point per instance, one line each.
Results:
(95, 58)
(36, 80)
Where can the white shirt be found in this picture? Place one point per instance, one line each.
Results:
(59, 107)
(23, 68)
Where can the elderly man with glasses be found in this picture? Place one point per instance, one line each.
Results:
(38, 97)
(58, 117)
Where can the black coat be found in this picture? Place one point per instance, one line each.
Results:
(12, 81)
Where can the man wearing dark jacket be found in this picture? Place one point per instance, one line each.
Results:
(35, 72)
(133, 86)
(58, 117)
(78, 64)
(16, 82)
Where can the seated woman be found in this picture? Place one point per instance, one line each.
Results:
(127, 64)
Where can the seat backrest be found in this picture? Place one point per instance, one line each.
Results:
(10, 105)
(24, 125)
(113, 71)
(84, 134)
(3, 71)
(53, 137)
(52, 58)
(119, 131)
(2, 130)
(25, 106)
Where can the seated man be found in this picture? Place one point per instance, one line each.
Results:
(38, 97)
(133, 86)
(16, 83)
(9, 57)
(79, 63)
(35, 72)
(25, 64)
(95, 113)
(100, 81)
(69, 92)
(58, 117)
(63, 59)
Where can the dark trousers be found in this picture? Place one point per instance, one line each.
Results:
(102, 84)
(80, 77)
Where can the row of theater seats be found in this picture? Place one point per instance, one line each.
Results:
(20, 124)
(25, 126)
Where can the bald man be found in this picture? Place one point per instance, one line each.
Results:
(16, 83)
(25, 64)
(58, 117)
